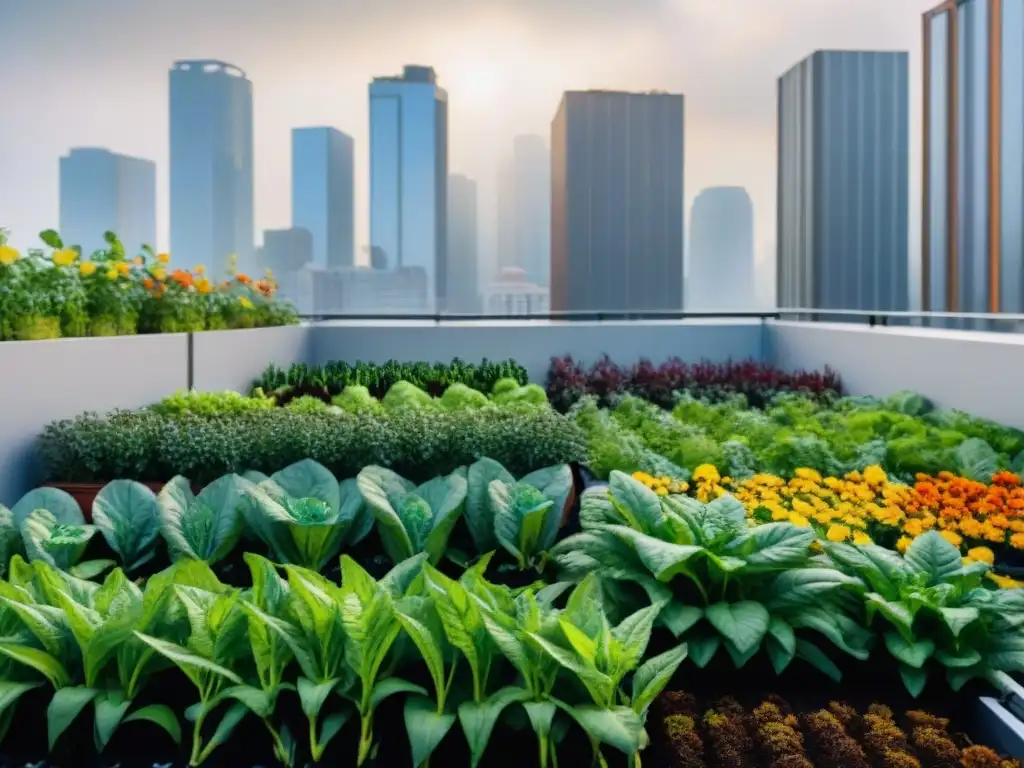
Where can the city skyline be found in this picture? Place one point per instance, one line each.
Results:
(505, 77)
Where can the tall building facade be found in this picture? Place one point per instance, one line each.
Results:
(617, 202)
(323, 190)
(286, 252)
(524, 209)
(102, 191)
(843, 166)
(973, 206)
(211, 163)
(463, 290)
(721, 257)
(409, 174)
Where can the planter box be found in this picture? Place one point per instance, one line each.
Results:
(997, 727)
(85, 493)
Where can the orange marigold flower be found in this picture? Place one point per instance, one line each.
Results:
(1005, 478)
(182, 277)
(243, 278)
(147, 283)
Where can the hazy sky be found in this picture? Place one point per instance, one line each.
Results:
(94, 73)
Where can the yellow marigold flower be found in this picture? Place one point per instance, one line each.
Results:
(801, 506)
(837, 533)
(87, 268)
(199, 269)
(805, 473)
(953, 538)
(1004, 582)
(779, 514)
(1017, 541)
(64, 257)
(661, 490)
(903, 544)
(111, 274)
(913, 527)
(246, 304)
(706, 473)
(123, 267)
(861, 539)
(163, 258)
(982, 555)
(875, 475)
(799, 520)
(8, 255)
(203, 285)
(993, 534)
(159, 274)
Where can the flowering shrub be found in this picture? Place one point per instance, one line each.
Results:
(51, 294)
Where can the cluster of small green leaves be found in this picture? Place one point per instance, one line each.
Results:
(340, 649)
(420, 444)
(380, 377)
(209, 403)
(724, 584)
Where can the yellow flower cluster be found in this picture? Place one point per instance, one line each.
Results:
(853, 508)
(709, 484)
(663, 485)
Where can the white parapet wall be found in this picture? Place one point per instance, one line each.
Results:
(974, 371)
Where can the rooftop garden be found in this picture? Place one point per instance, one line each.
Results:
(57, 291)
(412, 563)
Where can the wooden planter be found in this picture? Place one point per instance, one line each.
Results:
(85, 493)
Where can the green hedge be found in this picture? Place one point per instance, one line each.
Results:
(151, 447)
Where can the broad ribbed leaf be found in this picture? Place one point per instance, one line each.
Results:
(744, 623)
(933, 556)
(478, 720)
(192, 664)
(911, 654)
(883, 569)
(775, 546)
(807, 586)
(519, 511)
(653, 675)
(384, 491)
(641, 501)
(479, 513)
(67, 703)
(354, 512)
(817, 659)
(58, 503)
(663, 559)
(619, 727)
(556, 484)
(425, 726)
(446, 497)
(127, 514)
(204, 527)
(52, 542)
(159, 715)
(310, 479)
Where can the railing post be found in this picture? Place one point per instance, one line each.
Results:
(190, 361)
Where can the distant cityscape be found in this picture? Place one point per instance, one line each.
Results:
(591, 218)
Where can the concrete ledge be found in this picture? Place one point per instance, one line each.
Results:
(41, 381)
(233, 359)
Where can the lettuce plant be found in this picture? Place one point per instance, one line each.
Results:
(936, 608)
(204, 527)
(521, 517)
(210, 655)
(127, 514)
(304, 515)
(413, 519)
(51, 528)
(720, 582)
(600, 656)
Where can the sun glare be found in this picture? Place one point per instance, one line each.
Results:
(477, 84)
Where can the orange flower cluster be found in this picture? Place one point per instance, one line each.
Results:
(968, 510)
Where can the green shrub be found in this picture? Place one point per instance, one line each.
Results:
(418, 444)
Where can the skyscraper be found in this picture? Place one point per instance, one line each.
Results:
(211, 163)
(617, 202)
(973, 208)
(322, 193)
(463, 290)
(286, 252)
(409, 174)
(524, 209)
(843, 182)
(102, 191)
(721, 256)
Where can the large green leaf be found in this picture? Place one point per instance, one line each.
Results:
(204, 527)
(354, 512)
(446, 497)
(557, 485)
(66, 704)
(479, 514)
(519, 518)
(933, 556)
(744, 623)
(663, 559)
(478, 720)
(127, 514)
(883, 569)
(10, 539)
(643, 503)
(913, 654)
(976, 460)
(309, 479)
(384, 492)
(619, 727)
(653, 675)
(57, 544)
(60, 504)
(775, 546)
(425, 726)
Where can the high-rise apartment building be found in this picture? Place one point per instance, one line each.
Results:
(211, 163)
(617, 202)
(843, 190)
(323, 193)
(409, 174)
(463, 290)
(973, 207)
(524, 209)
(286, 252)
(102, 191)
(721, 257)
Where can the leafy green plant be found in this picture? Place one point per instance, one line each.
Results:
(719, 582)
(936, 609)
(127, 514)
(53, 530)
(413, 519)
(204, 527)
(405, 395)
(304, 515)
(521, 517)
